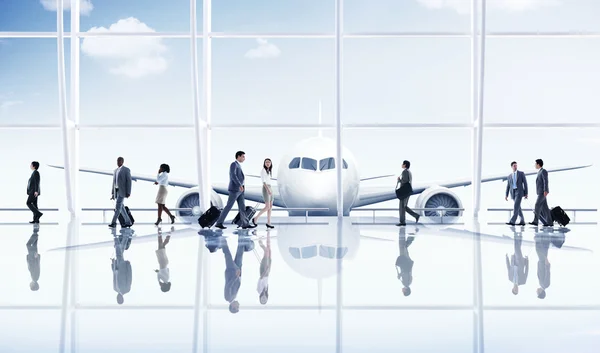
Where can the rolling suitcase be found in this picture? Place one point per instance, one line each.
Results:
(209, 218)
(122, 219)
(250, 212)
(559, 216)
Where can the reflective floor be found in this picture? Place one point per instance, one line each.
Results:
(81, 288)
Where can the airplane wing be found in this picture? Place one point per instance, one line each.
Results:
(257, 176)
(368, 196)
(253, 193)
(377, 177)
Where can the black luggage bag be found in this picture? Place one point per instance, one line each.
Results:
(250, 212)
(122, 219)
(559, 216)
(209, 218)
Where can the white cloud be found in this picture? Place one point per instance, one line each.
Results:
(5, 106)
(129, 56)
(85, 6)
(263, 51)
(464, 6)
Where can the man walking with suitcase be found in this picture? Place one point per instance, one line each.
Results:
(121, 189)
(236, 192)
(541, 204)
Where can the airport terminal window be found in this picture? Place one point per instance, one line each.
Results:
(295, 163)
(309, 163)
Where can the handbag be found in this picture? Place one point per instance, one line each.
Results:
(404, 191)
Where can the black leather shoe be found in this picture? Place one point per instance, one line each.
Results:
(417, 219)
(401, 224)
(270, 226)
(112, 225)
(220, 226)
(521, 224)
(510, 224)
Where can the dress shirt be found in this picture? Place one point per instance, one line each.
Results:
(514, 180)
(265, 177)
(163, 179)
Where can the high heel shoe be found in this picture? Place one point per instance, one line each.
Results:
(158, 221)
(269, 226)
(172, 219)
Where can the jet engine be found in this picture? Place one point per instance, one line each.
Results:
(191, 199)
(439, 197)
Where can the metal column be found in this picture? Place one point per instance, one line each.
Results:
(476, 146)
(338, 106)
(66, 125)
(201, 124)
(73, 128)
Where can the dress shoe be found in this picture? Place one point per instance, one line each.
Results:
(220, 226)
(269, 226)
(112, 225)
(417, 219)
(521, 224)
(510, 224)
(172, 219)
(401, 224)
(533, 224)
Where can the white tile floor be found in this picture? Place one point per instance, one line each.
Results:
(441, 314)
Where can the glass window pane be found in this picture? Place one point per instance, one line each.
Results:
(295, 252)
(309, 163)
(345, 164)
(29, 88)
(309, 251)
(33, 16)
(129, 80)
(278, 81)
(327, 251)
(295, 163)
(140, 16)
(406, 15)
(543, 15)
(562, 80)
(274, 16)
(406, 82)
(327, 163)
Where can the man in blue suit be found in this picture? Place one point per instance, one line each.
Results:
(236, 192)
(516, 187)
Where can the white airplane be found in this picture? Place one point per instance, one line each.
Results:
(307, 179)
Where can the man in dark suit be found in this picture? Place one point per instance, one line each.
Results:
(517, 266)
(33, 191)
(233, 274)
(121, 268)
(236, 192)
(33, 260)
(121, 189)
(542, 244)
(541, 204)
(516, 186)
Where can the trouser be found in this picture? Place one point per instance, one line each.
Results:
(33, 206)
(233, 197)
(542, 211)
(517, 212)
(404, 208)
(120, 210)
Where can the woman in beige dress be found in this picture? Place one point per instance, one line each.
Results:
(267, 192)
(162, 180)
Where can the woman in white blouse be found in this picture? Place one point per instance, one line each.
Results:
(163, 273)
(267, 192)
(162, 180)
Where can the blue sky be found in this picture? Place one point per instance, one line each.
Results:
(147, 80)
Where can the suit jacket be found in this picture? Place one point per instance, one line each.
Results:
(123, 184)
(33, 261)
(522, 188)
(541, 182)
(522, 269)
(232, 283)
(236, 177)
(542, 244)
(121, 275)
(33, 185)
(406, 177)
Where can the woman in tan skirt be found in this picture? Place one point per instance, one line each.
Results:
(267, 192)
(162, 180)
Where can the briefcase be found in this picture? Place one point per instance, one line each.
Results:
(404, 191)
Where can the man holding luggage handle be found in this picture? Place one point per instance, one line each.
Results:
(121, 189)
(541, 204)
(236, 192)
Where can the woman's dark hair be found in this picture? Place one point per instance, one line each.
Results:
(407, 164)
(165, 167)
(270, 169)
(35, 165)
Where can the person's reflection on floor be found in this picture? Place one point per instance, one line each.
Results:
(517, 266)
(233, 271)
(213, 241)
(33, 259)
(404, 262)
(162, 273)
(121, 268)
(265, 269)
(542, 244)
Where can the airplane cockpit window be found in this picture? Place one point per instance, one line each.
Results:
(303, 253)
(331, 252)
(309, 163)
(295, 163)
(329, 163)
